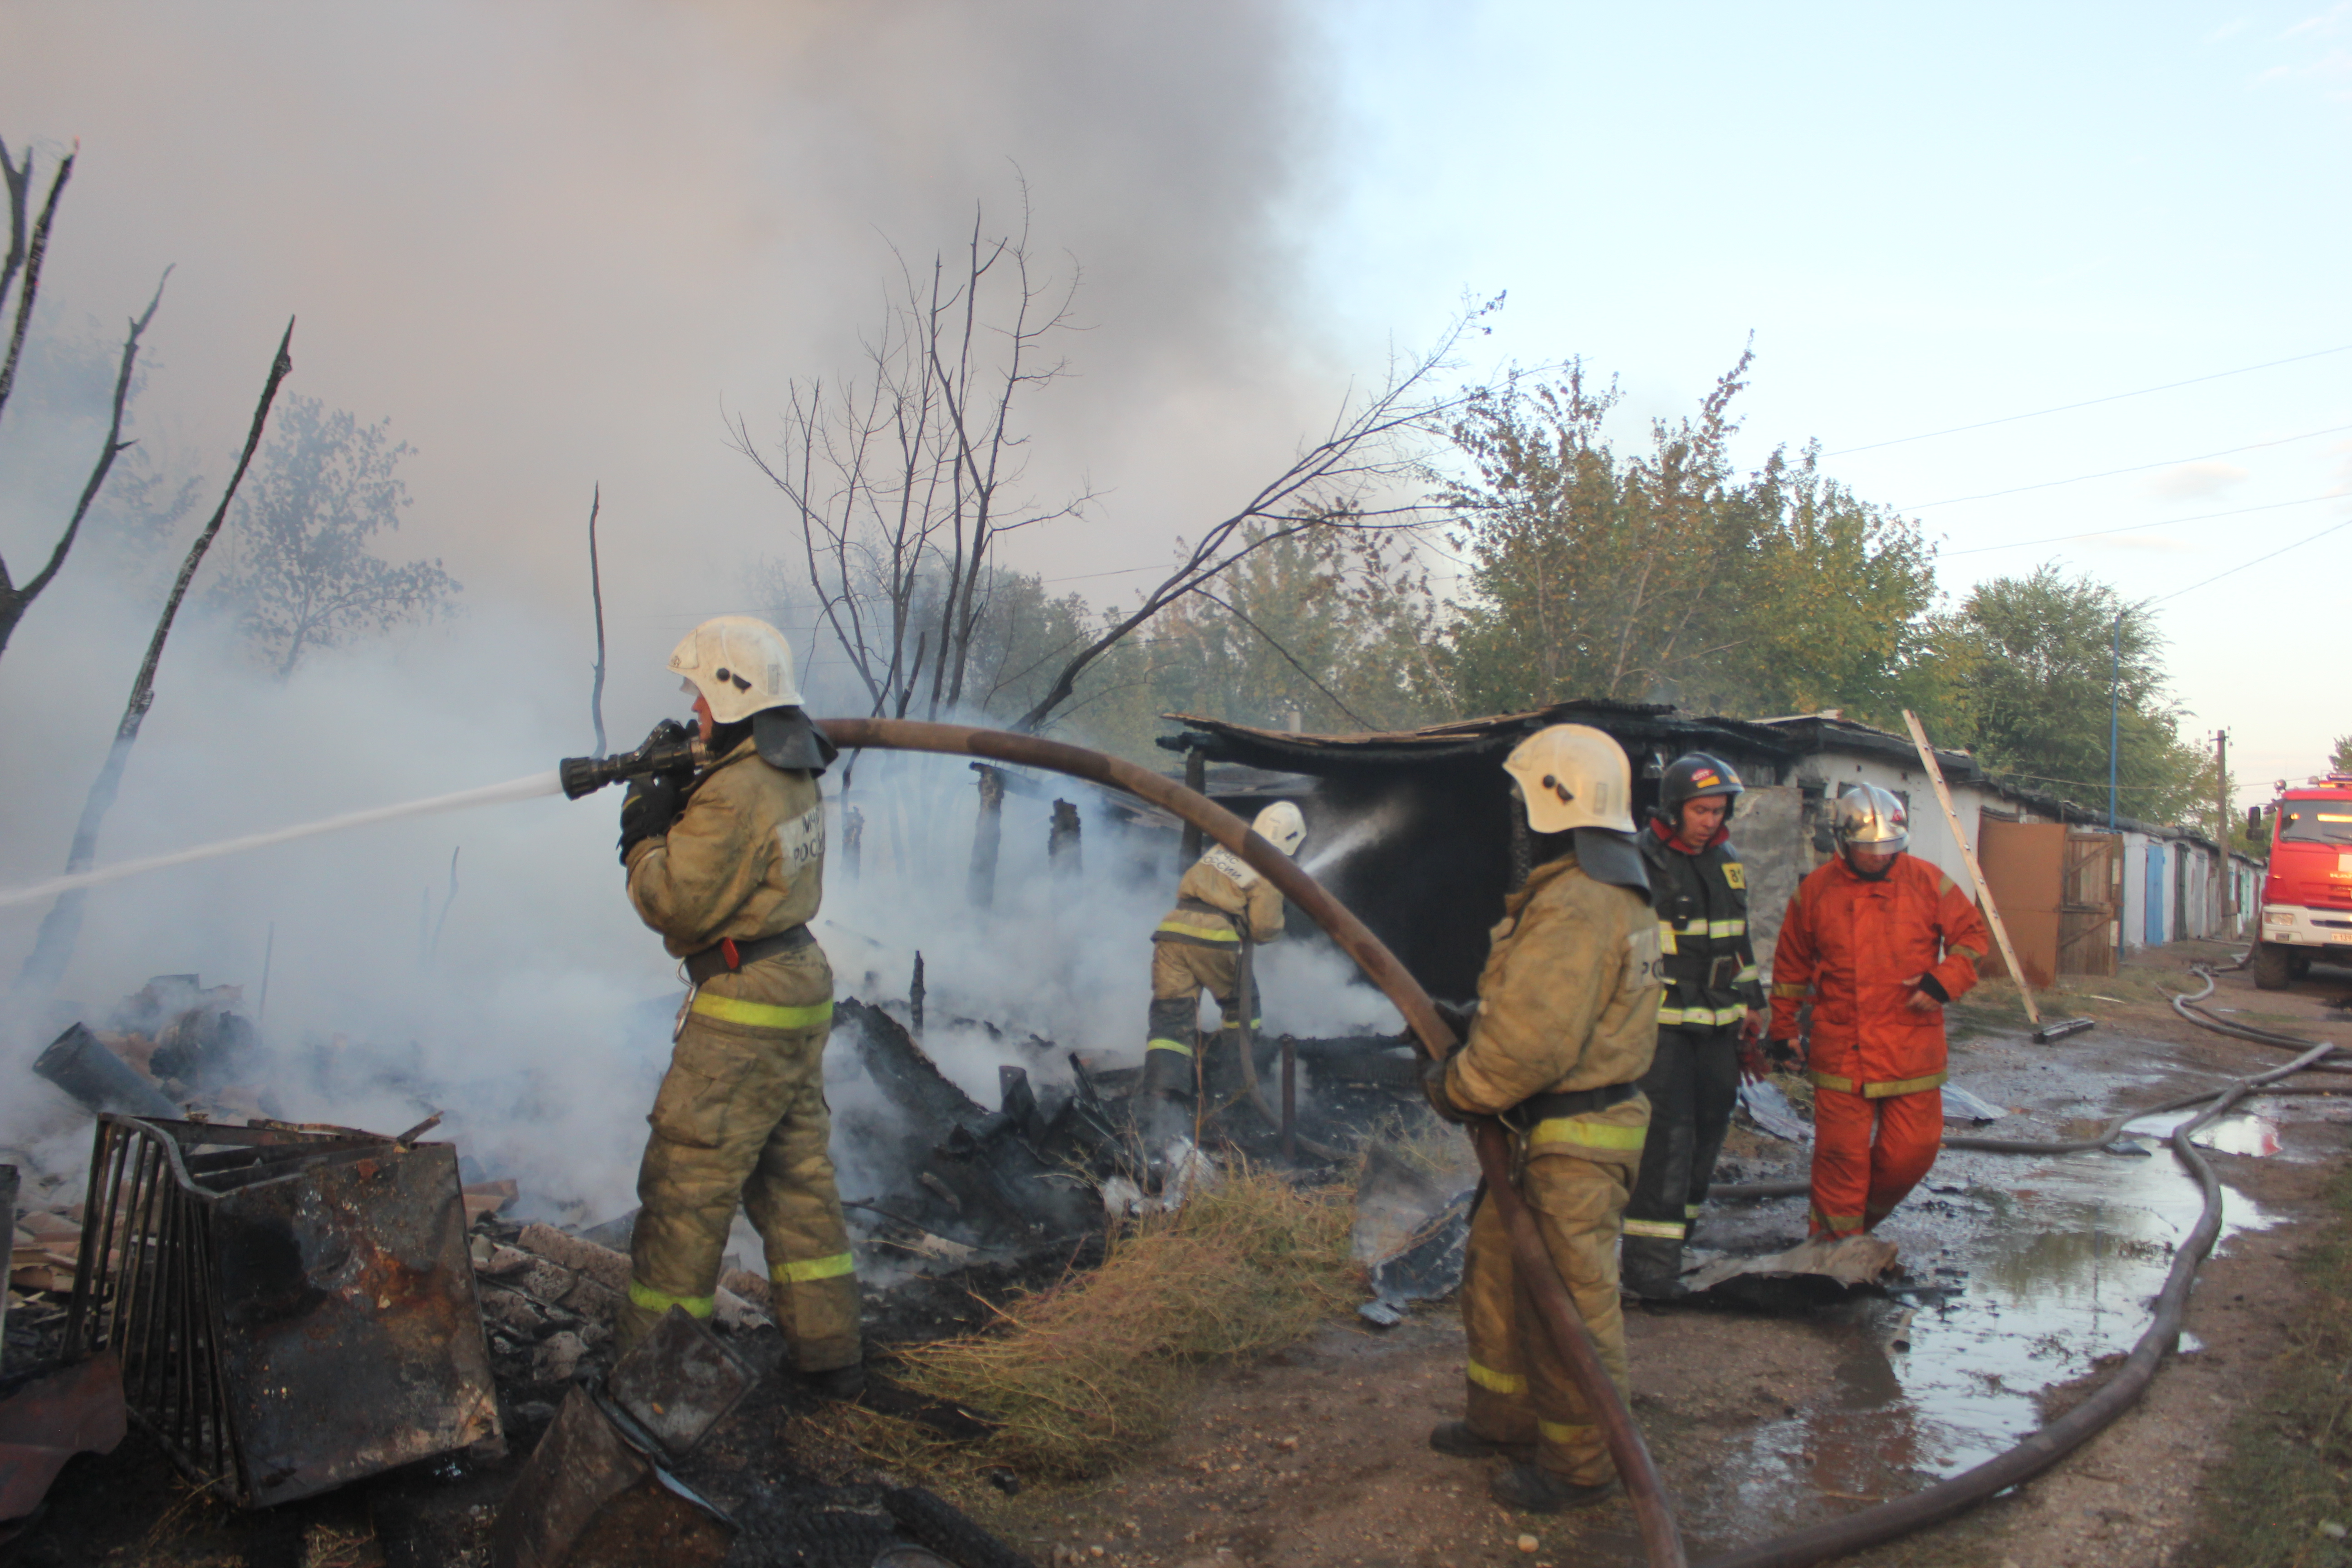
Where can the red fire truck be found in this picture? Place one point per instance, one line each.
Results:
(2308, 896)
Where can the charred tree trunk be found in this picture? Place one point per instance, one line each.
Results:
(53, 948)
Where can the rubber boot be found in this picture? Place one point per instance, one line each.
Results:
(843, 1383)
(1532, 1491)
(1456, 1440)
(1650, 1268)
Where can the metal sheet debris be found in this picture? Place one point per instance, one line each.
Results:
(1769, 1110)
(1959, 1105)
(597, 1492)
(1847, 1261)
(76, 1410)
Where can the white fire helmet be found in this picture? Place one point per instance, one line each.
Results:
(1870, 819)
(740, 664)
(1573, 776)
(1281, 825)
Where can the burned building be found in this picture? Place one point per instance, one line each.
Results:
(1415, 830)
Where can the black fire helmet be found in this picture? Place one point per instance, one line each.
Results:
(1691, 775)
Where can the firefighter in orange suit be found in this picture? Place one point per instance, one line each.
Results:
(1882, 941)
(1566, 1019)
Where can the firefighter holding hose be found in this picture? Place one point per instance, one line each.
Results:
(1882, 941)
(727, 864)
(1220, 904)
(1566, 1023)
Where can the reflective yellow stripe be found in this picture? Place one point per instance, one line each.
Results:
(1670, 1014)
(1789, 993)
(1688, 927)
(761, 1014)
(800, 1273)
(1903, 1086)
(1746, 976)
(1556, 1432)
(1712, 1016)
(1726, 928)
(653, 1301)
(1487, 1377)
(1179, 1046)
(1661, 1228)
(1838, 1223)
(1731, 1015)
(1175, 927)
(1886, 1090)
(1666, 938)
(1690, 1211)
(1591, 1134)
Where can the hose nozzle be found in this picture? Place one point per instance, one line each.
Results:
(668, 749)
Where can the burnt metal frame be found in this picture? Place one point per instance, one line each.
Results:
(147, 1285)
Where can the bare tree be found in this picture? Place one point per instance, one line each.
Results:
(901, 482)
(26, 254)
(1354, 477)
(53, 946)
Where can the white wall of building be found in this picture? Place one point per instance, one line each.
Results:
(1931, 835)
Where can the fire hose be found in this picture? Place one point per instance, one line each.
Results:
(1661, 1538)
(2052, 1442)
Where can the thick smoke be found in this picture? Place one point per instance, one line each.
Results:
(559, 244)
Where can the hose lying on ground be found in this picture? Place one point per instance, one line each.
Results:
(1661, 1537)
(2045, 1447)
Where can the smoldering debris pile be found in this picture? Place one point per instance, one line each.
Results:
(952, 1202)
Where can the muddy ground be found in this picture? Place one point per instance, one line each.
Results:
(1316, 1457)
(2025, 1276)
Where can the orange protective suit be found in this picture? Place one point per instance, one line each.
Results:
(1876, 1062)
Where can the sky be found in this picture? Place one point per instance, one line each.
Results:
(565, 245)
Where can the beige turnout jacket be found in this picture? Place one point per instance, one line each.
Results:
(1568, 1001)
(744, 859)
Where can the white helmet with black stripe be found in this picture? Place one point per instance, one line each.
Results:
(741, 664)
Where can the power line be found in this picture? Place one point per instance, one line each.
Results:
(2142, 527)
(2257, 560)
(2139, 468)
(2088, 403)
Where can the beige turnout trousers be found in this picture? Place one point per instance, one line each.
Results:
(1519, 1388)
(741, 1117)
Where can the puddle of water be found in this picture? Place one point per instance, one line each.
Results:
(2046, 1273)
(2242, 1132)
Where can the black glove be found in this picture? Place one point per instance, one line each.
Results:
(1781, 1053)
(1433, 1088)
(652, 804)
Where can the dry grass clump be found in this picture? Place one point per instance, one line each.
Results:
(1080, 1373)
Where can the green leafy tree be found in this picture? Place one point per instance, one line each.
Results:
(301, 574)
(1666, 575)
(1332, 630)
(2339, 760)
(2040, 655)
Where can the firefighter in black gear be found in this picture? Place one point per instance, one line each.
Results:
(1709, 1015)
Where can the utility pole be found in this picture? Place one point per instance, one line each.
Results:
(2115, 707)
(2221, 818)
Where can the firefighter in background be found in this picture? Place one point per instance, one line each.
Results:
(1708, 1019)
(1883, 940)
(1566, 1015)
(728, 866)
(1198, 947)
